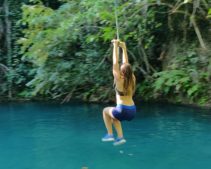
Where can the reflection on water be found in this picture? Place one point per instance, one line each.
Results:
(41, 135)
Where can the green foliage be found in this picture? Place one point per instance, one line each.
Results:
(209, 14)
(61, 48)
(64, 47)
(183, 81)
(69, 49)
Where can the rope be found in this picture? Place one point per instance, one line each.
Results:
(116, 18)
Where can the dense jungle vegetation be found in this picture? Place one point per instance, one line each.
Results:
(61, 49)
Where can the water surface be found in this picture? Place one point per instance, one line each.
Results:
(55, 136)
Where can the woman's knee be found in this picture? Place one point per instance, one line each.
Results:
(107, 110)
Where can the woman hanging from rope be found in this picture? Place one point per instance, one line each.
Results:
(124, 81)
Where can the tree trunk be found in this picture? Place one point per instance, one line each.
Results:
(198, 33)
(8, 46)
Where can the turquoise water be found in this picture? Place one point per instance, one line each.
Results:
(54, 136)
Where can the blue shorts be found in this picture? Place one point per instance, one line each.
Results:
(123, 112)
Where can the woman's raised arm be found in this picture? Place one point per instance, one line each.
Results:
(124, 50)
(115, 59)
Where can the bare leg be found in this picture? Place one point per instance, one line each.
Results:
(118, 127)
(108, 119)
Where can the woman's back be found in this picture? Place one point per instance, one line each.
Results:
(124, 97)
